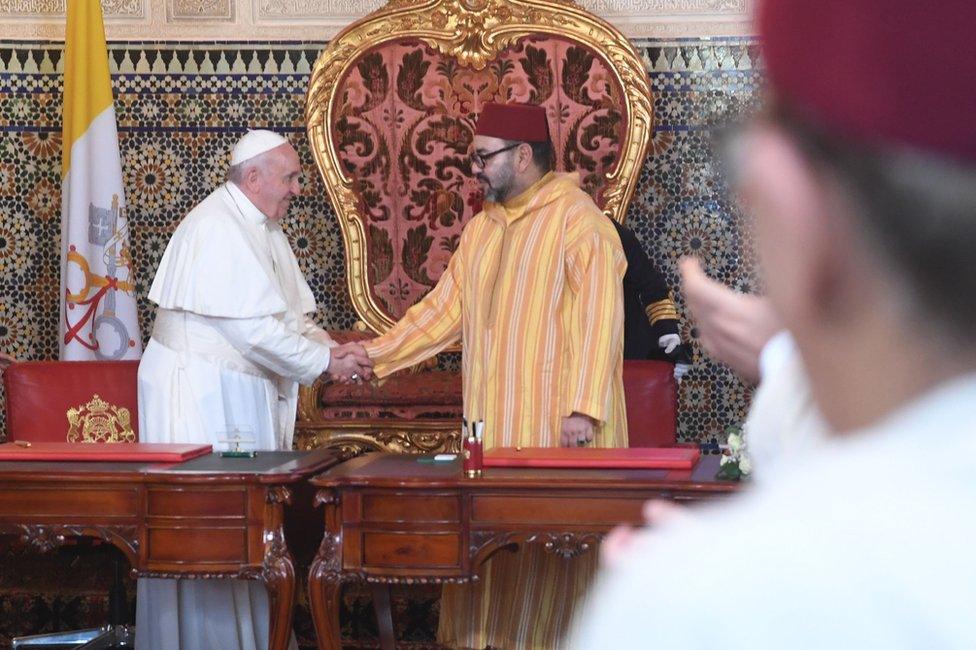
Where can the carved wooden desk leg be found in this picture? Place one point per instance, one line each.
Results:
(325, 576)
(279, 570)
(384, 614)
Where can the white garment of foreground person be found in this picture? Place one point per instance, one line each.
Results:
(783, 424)
(889, 511)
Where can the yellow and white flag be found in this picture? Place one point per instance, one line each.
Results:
(98, 310)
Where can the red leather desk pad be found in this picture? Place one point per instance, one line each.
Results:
(583, 458)
(119, 452)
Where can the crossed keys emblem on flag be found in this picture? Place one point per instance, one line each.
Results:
(93, 328)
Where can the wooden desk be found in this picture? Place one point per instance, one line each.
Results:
(391, 519)
(209, 517)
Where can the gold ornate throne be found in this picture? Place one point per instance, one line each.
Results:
(390, 113)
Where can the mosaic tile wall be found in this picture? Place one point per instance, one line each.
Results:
(181, 106)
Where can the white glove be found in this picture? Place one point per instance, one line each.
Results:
(680, 369)
(669, 342)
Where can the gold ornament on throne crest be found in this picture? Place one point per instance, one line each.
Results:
(473, 33)
(99, 421)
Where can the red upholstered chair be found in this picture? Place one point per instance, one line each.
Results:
(390, 113)
(652, 403)
(72, 401)
(77, 401)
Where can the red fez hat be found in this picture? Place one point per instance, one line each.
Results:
(881, 72)
(520, 122)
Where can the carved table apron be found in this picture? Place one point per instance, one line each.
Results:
(209, 517)
(391, 519)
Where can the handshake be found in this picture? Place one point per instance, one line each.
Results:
(349, 364)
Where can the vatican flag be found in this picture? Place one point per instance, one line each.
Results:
(98, 310)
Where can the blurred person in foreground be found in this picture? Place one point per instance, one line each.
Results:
(862, 176)
(743, 331)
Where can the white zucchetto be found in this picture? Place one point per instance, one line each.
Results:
(254, 143)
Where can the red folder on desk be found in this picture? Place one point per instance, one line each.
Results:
(583, 458)
(93, 451)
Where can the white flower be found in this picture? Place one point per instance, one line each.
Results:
(725, 460)
(736, 443)
(745, 465)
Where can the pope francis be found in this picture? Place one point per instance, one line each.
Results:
(231, 342)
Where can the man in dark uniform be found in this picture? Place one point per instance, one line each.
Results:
(650, 317)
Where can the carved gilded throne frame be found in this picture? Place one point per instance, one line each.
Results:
(473, 32)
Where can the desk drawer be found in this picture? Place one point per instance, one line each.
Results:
(518, 509)
(197, 546)
(68, 503)
(420, 508)
(210, 502)
(411, 550)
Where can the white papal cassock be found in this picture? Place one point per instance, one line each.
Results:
(231, 342)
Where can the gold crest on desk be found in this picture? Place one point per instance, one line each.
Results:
(99, 421)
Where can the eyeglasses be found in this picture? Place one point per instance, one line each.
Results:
(481, 158)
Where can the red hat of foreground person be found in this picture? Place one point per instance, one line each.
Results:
(520, 122)
(882, 72)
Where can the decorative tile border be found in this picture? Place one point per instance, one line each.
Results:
(44, 57)
(182, 105)
(317, 20)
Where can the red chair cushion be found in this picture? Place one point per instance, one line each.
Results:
(652, 403)
(40, 393)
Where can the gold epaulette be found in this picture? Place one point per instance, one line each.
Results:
(663, 309)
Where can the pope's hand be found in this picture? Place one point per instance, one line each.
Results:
(577, 430)
(349, 363)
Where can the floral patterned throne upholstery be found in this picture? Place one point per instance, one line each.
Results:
(390, 112)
